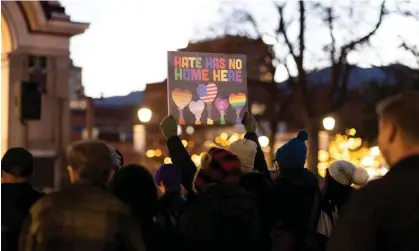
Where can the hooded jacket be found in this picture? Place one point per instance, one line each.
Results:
(223, 217)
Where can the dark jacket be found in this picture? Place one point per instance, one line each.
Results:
(181, 159)
(16, 200)
(262, 190)
(384, 215)
(81, 217)
(171, 206)
(294, 192)
(222, 218)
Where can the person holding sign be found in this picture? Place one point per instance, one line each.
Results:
(214, 196)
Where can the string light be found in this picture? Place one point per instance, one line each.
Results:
(354, 150)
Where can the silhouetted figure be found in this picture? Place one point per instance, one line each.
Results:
(135, 186)
(17, 195)
(384, 215)
(220, 215)
(171, 203)
(86, 215)
(296, 197)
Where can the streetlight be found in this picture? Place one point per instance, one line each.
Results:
(263, 141)
(329, 123)
(144, 115)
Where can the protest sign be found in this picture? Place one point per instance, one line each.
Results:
(207, 88)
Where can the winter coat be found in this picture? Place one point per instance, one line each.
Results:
(222, 218)
(16, 200)
(294, 192)
(81, 217)
(384, 215)
(171, 206)
(262, 190)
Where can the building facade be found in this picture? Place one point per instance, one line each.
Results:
(35, 47)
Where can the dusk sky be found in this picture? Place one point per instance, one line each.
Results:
(127, 42)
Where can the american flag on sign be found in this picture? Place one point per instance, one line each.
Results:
(207, 93)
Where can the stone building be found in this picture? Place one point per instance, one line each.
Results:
(35, 47)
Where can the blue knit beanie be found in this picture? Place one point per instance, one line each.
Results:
(292, 155)
(169, 176)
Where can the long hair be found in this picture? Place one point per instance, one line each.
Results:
(135, 186)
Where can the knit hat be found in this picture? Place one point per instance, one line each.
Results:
(169, 176)
(246, 151)
(346, 173)
(293, 153)
(17, 161)
(218, 166)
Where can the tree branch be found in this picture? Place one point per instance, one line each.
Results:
(341, 99)
(330, 19)
(412, 49)
(302, 74)
(337, 67)
(282, 30)
(350, 46)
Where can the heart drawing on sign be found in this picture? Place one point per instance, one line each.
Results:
(222, 106)
(181, 99)
(197, 108)
(237, 101)
(207, 93)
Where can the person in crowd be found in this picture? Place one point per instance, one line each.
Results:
(254, 176)
(17, 195)
(171, 203)
(220, 215)
(296, 197)
(135, 186)
(86, 215)
(383, 215)
(340, 176)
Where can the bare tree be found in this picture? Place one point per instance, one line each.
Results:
(412, 49)
(322, 103)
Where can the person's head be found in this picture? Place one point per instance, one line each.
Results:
(91, 161)
(246, 151)
(346, 174)
(398, 126)
(135, 186)
(16, 166)
(293, 154)
(170, 177)
(340, 176)
(218, 166)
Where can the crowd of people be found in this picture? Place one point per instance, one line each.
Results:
(229, 203)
